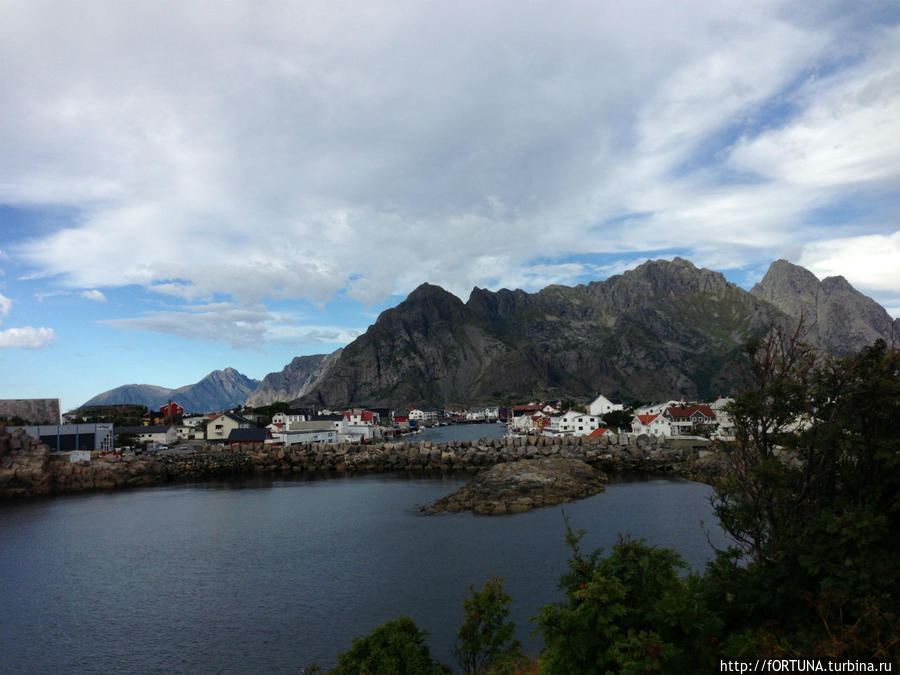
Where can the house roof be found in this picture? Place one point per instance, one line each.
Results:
(312, 426)
(596, 433)
(248, 435)
(687, 411)
(364, 415)
(646, 419)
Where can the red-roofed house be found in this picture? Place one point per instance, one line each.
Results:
(171, 409)
(361, 417)
(597, 433)
(685, 418)
(653, 425)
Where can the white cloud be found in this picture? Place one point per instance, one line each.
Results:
(316, 148)
(305, 335)
(93, 295)
(26, 338)
(848, 134)
(869, 263)
(220, 322)
(242, 327)
(22, 338)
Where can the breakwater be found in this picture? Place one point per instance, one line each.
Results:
(28, 469)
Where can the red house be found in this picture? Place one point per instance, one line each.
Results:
(171, 410)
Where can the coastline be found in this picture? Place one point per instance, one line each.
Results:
(28, 469)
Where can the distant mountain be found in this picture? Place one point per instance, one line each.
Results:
(663, 330)
(297, 378)
(220, 390)
(837, 316)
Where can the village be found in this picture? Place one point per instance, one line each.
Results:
(94, 429)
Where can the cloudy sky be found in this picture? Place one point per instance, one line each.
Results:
(186, 186)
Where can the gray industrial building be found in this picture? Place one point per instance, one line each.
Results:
(67, 437)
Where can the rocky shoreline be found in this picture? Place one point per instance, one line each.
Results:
(29, 469)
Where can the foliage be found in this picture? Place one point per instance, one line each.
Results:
(269, 411)
(394, 648)
(485, 641)
(123, 440)
(812, 499)
(630, 612)
(617, 419)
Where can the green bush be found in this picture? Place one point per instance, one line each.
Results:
(630, 612)
(485, 641)
(394, 648)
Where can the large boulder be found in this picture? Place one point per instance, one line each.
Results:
(519, 486)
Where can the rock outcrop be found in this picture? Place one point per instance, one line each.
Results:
(24, 465)
(523, 485)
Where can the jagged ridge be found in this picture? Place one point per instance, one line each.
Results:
(665, 329)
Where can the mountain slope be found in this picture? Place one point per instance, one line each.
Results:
(220, 390)
(297, 378)
(665, 329)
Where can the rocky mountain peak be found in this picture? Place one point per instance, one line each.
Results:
(837, 316)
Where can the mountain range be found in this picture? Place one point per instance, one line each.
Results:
(220, 390)
(665, 329)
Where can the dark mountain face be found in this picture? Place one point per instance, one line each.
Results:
(296, 379)
(220, 390)
(665, 329)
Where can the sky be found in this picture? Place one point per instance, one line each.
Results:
(189, 186)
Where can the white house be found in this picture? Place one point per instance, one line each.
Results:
(476, 415)
(653, 425)
(572, 423)
(423, 416)
(310, 432)
(289, 416)
(529, 423)
(584, 425)
(159, 434)
(602, 405)
(359, 417)
(221, 425)
(726, 424)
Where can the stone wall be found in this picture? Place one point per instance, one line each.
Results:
(36, 410)
(47, 474)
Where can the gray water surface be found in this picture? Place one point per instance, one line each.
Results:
(269, 576)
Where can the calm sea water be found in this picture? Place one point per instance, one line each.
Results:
(269, 575)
